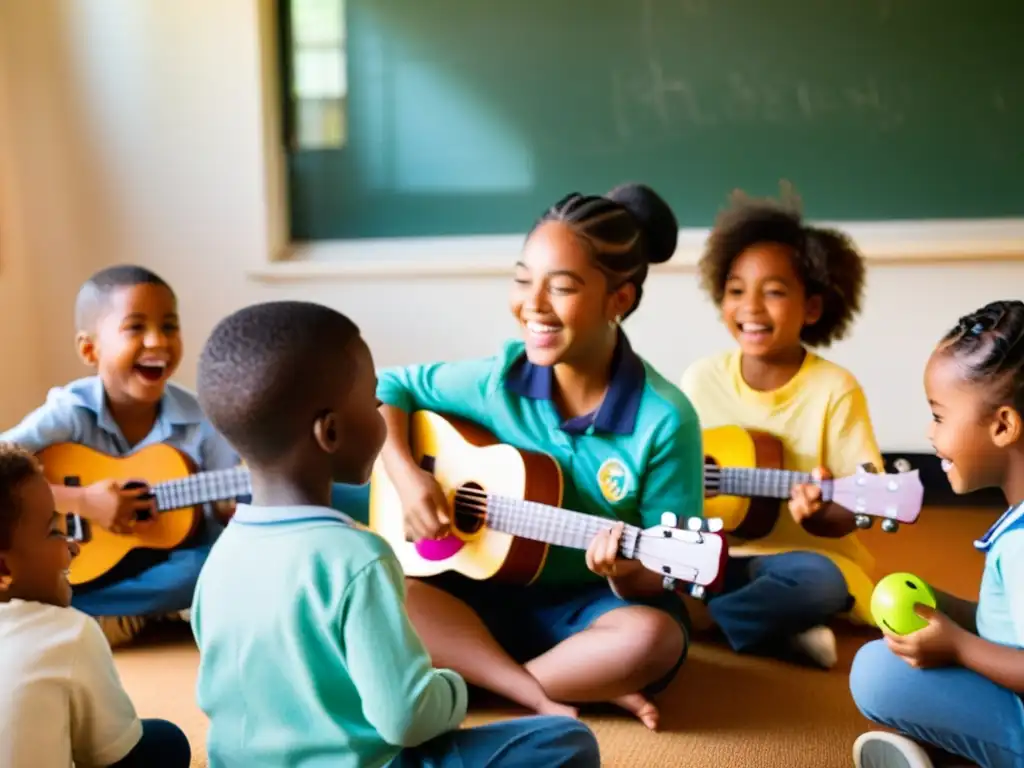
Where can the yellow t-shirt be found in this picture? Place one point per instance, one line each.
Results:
(821, 417)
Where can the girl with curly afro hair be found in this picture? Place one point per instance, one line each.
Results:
(783, 287)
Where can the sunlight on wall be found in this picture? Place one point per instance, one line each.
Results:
(465, 145)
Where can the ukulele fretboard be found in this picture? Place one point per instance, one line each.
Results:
(762, 483)
(553, 525)
(202, 487)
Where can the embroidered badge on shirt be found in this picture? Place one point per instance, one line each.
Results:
(613, 480)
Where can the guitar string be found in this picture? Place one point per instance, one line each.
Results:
(572, 528)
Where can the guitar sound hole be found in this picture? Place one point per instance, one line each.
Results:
(134, 485)
(470, 507)
(712, 477)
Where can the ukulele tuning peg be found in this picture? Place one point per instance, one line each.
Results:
(695, 524)
(669, 520)
(890, 526)
(714, 524)
(866, 468)
(902, 465)
(862, 521)
(668, 584)
(697, 592)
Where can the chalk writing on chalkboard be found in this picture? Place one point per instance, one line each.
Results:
(677, 105)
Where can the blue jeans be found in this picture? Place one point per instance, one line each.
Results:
(529, 621)
(552, 742)
(165, 587)
(952, 708)
(162, 745)
(769, 598)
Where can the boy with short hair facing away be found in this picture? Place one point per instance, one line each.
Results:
(62, 698)
(307, 655)
(129, 333)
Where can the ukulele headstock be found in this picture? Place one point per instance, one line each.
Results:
(894, 497)
(693, 552)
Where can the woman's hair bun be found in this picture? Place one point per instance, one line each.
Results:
(659, 224)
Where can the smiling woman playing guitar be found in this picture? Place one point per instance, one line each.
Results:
(591, 627)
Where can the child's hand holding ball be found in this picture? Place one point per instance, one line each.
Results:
(893, 601)
(906, 610)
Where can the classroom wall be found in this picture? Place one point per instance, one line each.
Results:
(133, 130)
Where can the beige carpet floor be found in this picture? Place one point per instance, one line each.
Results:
(723, 710)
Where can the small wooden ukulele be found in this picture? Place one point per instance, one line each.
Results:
(169, 473)
(744, 483)
(506, 511)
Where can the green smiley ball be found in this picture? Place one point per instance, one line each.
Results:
(892, 602)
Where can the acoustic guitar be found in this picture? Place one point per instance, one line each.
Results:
(177, 489)
(506, 513)
(744, 483)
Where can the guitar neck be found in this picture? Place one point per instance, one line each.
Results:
(759, 483)
(202, 487)
(553, 525)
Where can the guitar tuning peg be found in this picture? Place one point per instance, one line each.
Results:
(714, 524)
(866, 467)
(668, 583)
(862, 521)
(890, 526)
(669, 520)
(902, 465)
(695, 524)
(697, 592)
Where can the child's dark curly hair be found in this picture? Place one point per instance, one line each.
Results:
(989, 345)
(16, 466)
(826, 260)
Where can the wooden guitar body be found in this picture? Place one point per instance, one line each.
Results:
(745, 485)
(506, 508)
(461, 454)
(732, 446)
(101, 550)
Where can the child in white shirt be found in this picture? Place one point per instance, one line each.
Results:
(63, 703)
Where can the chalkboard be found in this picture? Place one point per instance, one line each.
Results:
(470, 117)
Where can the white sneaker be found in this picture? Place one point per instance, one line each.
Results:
(818, 644)
(878, 749)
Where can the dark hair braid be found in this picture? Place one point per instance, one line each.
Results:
(626, 231)
(989, 344)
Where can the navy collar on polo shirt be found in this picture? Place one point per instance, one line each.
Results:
(617, 412)
(1009, 519)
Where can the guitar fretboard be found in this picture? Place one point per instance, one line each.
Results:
(763, 483)
(202, 487)
(553, 525)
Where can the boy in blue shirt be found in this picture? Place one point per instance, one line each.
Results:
(307, 656)
(128, 331)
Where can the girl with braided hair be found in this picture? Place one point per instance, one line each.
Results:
(956, 684)
(590, 627)
(783, 288)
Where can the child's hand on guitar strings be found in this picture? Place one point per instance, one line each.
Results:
(425, 506)
(114, 507)
(603, 554)
(805, 499)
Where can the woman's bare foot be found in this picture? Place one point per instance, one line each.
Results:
(640, 706)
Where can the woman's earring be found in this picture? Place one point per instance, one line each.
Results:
(615, 323)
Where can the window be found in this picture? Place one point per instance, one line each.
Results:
(315, 68)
